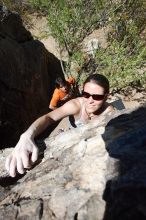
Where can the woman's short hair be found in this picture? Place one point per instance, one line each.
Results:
(100, 80)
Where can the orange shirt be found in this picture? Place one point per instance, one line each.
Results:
(58, 94)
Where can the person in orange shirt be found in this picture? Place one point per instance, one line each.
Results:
(62, 93)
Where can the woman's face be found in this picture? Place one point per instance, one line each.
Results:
(93, 103)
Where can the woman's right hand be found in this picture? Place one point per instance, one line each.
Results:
(24, 154)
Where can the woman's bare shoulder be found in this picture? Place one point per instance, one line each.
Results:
(73, 106)
(78, 101)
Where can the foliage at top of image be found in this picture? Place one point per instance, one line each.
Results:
(71, 21)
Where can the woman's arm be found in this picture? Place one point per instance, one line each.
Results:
(26, 152)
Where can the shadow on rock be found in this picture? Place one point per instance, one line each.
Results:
(125, 194)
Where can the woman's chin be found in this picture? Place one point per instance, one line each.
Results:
(91, 109)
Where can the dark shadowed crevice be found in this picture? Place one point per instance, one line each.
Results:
(76, 216)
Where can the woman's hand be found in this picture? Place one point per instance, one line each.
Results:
(24, 154)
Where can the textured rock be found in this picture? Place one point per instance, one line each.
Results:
(93, 172)
(27, 73)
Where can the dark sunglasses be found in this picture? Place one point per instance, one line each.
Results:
(94, 96)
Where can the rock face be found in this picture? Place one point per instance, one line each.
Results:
(95, 172)
(27, 73)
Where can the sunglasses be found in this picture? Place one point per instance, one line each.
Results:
(94, 96)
